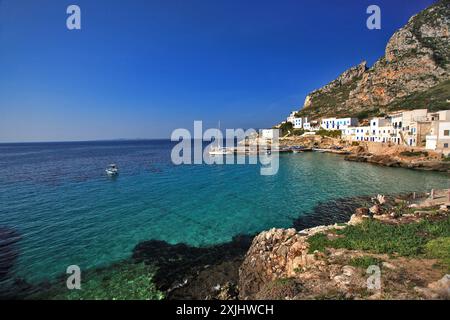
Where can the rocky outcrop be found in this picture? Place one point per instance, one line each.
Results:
(392, 161)
(417, 58)
(374, 153)
(276, 254)
(436, 290)
(281, 263)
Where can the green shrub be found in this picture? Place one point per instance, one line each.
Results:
(329, 133)
(318, 242)
(439, 248)
(286, 128)
(364, 262)
(298, 132)
(122, 281)
(374, 236)
(363, 115)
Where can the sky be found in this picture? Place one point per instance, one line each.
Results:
(142, 68)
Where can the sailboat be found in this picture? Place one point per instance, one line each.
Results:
(218, 150)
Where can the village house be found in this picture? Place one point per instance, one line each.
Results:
(338, 123)
(415, 128)
(297, 122)
(439, 134)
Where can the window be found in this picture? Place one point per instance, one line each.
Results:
(446, 133)
(445, 145)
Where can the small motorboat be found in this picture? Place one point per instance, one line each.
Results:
(219, 151)
(297, 149)
(112, 170)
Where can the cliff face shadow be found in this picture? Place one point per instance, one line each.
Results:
(331, 212)
(178, 264)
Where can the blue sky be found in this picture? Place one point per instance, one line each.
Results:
(141, 68)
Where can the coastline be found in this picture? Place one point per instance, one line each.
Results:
(182, 272)
(406, 239)
(374, 153)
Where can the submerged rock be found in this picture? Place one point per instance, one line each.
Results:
(179, 266)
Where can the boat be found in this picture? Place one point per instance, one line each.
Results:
(297, 149)
(319, 150)
(112, 170)
(218, 150)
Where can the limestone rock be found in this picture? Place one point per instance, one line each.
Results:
(437, 290)
(416, 59)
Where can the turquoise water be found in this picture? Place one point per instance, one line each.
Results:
(67, 211)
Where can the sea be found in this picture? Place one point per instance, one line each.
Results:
(59, 208)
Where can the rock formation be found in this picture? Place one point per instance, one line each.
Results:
(282, 264)
(416, 60)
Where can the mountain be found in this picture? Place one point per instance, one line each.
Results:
(413, 73)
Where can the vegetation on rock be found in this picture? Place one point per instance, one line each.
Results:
(123, 281)
(376, 237)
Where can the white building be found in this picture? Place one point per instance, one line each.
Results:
(381, 130)
(307, 126)
(270, 134)
(362, 133)
(297, 122)
(439, 137)
(338, 123)
(291, 116)
(412, 128)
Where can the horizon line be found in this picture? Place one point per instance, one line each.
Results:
(89, 140)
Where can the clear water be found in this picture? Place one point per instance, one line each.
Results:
(67, 211)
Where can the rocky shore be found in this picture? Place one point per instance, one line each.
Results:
(375, 153)
(307, 264)
(325, 256)
(398, 236)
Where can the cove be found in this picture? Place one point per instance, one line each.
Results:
(68, 212)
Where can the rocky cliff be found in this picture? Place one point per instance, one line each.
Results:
(413, 73)
(399, 237)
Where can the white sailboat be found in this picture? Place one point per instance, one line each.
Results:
(218, 150)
